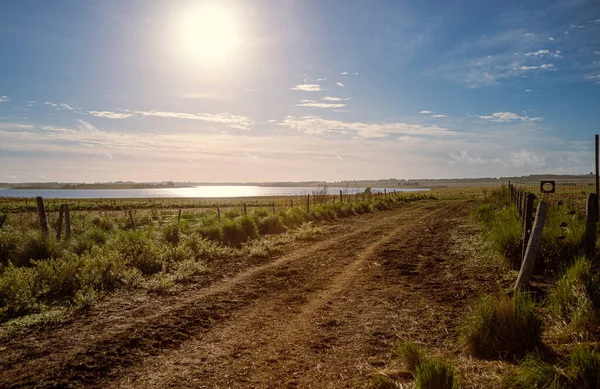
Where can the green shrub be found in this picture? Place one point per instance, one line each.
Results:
(505, 234)
(271, 224)
(238, 231)
(213, 232)
(171, 233)
(485, 213)
(18, 292)
(435, 373)
(9, 242)
(362, 207)
(381, 205)
(104, 224)
(204, 248)
(575, 300)
(502, 326)
(585, 366)
(294, 217)
(307, 231)
(140, 251)
(33, 245)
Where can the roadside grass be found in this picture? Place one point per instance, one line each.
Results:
(580, 370)
(38, 274)
(502, 327)
(574, 302)
(429, 372)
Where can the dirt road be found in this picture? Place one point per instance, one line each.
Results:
(323, 315)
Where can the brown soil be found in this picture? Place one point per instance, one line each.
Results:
(324, 314)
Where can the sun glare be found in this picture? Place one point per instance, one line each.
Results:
(210, 34)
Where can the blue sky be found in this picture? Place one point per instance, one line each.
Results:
(296, 90)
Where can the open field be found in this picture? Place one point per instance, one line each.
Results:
(326, 302)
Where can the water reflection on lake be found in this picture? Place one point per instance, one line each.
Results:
(192, 192)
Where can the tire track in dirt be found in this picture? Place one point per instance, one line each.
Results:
(299, 337)
(115, 349)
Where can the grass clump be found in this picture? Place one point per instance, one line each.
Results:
(435, 373)
(429, 372)
(271, 224)
(534, 372)
(502, 326)
(575, 300)
(584, 364)
(238, 231)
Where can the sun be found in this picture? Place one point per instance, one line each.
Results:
(209, 33)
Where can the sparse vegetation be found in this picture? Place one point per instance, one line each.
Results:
(429, 372)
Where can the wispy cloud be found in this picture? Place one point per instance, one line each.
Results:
(110, 115)
(3, 99)
(234, 121)
(426, 112)
(318, 126)
(307, 87)
(503, 117)
(546, 66)
(340, 84)
(329, 98)
(320, 105)
(439, 116)
(344, 73)
(543, 52)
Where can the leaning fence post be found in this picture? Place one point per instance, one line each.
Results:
(590, 225)
(533, 247)
(67, 222)
(527, 221)
(42, 215)
(2, 220)
(60, 221)
(131, 219)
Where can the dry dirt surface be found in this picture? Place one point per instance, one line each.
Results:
(324, 314)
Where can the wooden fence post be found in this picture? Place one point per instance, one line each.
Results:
(341, 198)
(273, 206)
(307, 203)
(590, 225)
(42, 215)
(131, 219)
(178, 216)
(384, 192)
(2, 220)
(218, 215)
(60, 221)
(533, 247)
(527, 221)
(245, 212)
(67, 222)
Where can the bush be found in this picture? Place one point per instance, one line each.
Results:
(362, 207)
(238, 231)
(502, 326)
(103, 223)
(575, 300)
(18, 292)
(435, 373)
(271, 225)
(505, 234)
(205, 249)
(140, 251)
(171, 234)
(33, 245)
(294, 217)
(213, 232)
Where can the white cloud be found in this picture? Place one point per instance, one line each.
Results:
(503, 117)
(546, 66)
(340, 84)
(439, 116)
(307, 87)
(526, 158)
(356, 74)
(66, 106)
(322, 79)
(344, 73)
(234, 121)
(426, 112)
(320, 105)
(3, 99)
(551, 38)
(307, 101)
(527, 90)
(528, 34)
(329, 98)
(110, 115)
(543, 52)
(319, 126)
(595, 77)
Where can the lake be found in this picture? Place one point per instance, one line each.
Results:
(192, 192)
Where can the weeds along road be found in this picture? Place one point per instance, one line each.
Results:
(324, 314)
